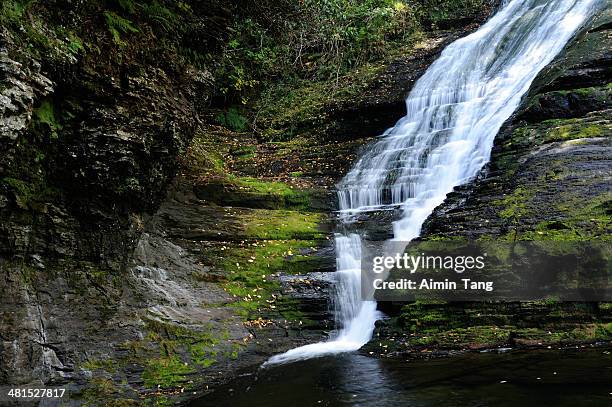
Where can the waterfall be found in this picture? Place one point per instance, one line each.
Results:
(453, 113)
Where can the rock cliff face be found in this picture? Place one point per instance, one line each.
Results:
(89, 145)
(549, 173)
(96, 140)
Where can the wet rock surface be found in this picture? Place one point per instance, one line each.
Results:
(550, 164)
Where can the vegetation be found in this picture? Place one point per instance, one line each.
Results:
(284, 225)
(563, 130)
(582, 221)
(321, 39)
(251, 271)
(233, 119)
(165, 372)
(276, 63)
(304, 54)
(27, 23)
(485, 325)
(118, 26)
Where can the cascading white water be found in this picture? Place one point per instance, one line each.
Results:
(453, 113)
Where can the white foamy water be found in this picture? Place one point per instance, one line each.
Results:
(453, 113)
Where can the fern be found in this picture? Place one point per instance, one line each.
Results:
(118, 25)
(233, 120)
(161, 15)
(127, 5)
(192, 56)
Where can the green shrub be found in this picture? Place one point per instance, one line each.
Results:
(434, 12)
(233, 120)
(314, 39)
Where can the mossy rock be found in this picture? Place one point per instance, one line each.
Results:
(252, 193)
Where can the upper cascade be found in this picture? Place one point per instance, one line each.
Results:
(457, 107)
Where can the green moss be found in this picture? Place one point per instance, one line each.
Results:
(108, 365)
(580, 333)
(597, 93)
(75, 44)
(292, 197)
(99, 388)
(288, 308)
(428, 315)
(23, 190)
(551, 301)
(263, 186)
(44, 115)
(203, 157)
(202, 353)
(283, 225)
(551, 231)
(30, 195)
(165, 372)
(253, 192)
(574, 130)
(464, 325)
(493, 335)
(555, 130)
(581, 220)
(515, 204)
(577, 212)
(200, 344)
(234, 351)
(171, 353)
(244, 152)
(481, 335)
(250, 270)
(514, 207)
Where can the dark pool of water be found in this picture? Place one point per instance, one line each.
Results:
(516, 378)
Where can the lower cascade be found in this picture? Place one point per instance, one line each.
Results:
(453, 114)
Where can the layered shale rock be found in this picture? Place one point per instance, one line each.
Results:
(549, 174)
(87, 152)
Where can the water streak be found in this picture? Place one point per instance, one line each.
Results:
(453, 113)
